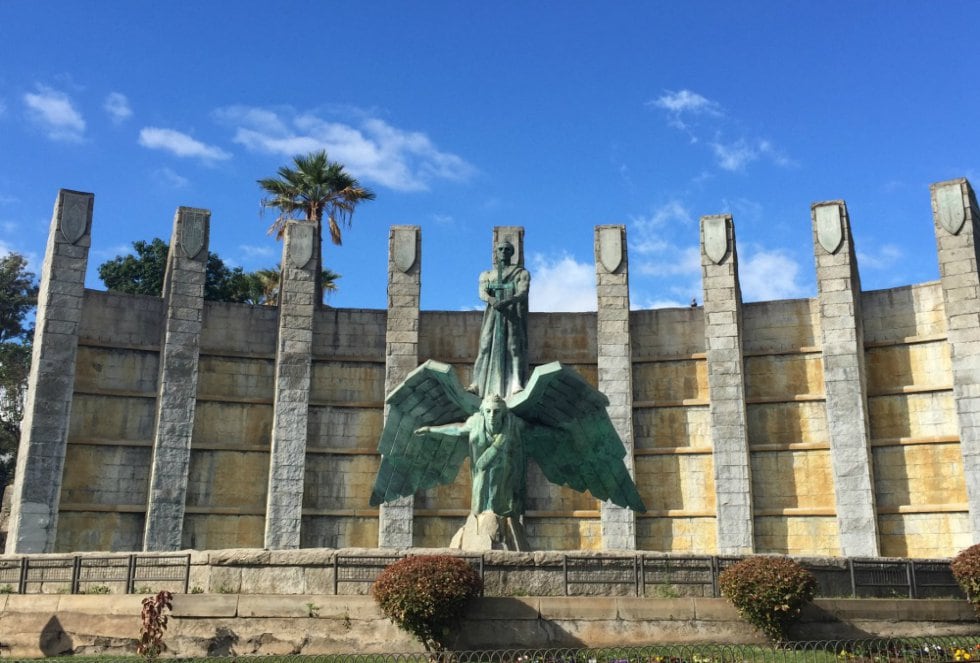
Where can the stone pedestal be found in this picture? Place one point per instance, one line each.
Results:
(488, 531)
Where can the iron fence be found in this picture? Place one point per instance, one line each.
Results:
(661, 576)
(126, 574)
(880, 650)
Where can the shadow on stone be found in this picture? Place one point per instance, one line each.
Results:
(223, 642)
(53, 640)
(508, 620)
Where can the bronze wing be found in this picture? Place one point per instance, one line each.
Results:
(570, 436)
(431, 395)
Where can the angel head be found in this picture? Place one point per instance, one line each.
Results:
(495, 412)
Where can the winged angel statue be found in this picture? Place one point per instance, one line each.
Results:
(558, 420)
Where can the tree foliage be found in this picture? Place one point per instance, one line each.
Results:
(425, 595)
(18, 297)
(142, 273)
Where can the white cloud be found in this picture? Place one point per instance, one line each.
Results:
(883, 257)
(686, 101)
(659, 302)
(171, 179)
(117, 106)
(7, 199)
(770, 274)
(658, 253)
(561, 284)
(253, 251)
(373, 151)
(685, 106)
(735, 156)
(180, 144)
(54, 111)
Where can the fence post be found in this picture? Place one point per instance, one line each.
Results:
(564, 571)
(336, 570)
(22, 585)
(910, 578)
(636, 574)
(714, 577)
(131, 575)
(76, 570)
(850, 569)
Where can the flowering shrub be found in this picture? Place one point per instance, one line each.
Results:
(425, 595)
(768, 592)
(966, 569)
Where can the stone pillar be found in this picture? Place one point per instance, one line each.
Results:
(957, 224)
(726, 385)
(44, 429)
(401, 357)
(618, 524)
(845, 384)
(183, 295)
(284, 508)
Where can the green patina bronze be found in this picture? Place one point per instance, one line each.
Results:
(556, 419)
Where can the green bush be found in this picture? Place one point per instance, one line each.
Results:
(768, 592)
(966, 569)
(425, 595)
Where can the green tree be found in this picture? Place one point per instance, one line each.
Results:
(18, 297)
(317, 187)
(142, 274)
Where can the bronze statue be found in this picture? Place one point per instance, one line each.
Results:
(501, 365)
(558, 420)
(499, 423)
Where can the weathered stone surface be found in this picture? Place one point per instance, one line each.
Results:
(176, 398)
(843, 358)
(614, 366)
(726, 382)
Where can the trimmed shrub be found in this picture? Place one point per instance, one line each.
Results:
(768, 592)
(966, 569)
(425, 595)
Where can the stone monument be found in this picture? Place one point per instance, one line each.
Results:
(500, 422)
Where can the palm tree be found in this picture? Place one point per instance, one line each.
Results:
(267, 284)
(316, 187)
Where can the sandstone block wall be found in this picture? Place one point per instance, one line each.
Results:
(916, 414)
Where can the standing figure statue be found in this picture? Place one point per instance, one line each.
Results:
(501, 365)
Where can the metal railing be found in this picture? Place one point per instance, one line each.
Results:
(879, 650)
(574, 575)
(94, 575)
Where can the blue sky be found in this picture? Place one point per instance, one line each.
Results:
(552, 115)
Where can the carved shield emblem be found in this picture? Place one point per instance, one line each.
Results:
(715, 237)
(193, 231)
(74, 216)
(403, 249)
(611, 247)
(949, 207)
(830, 227)
(300, 244)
